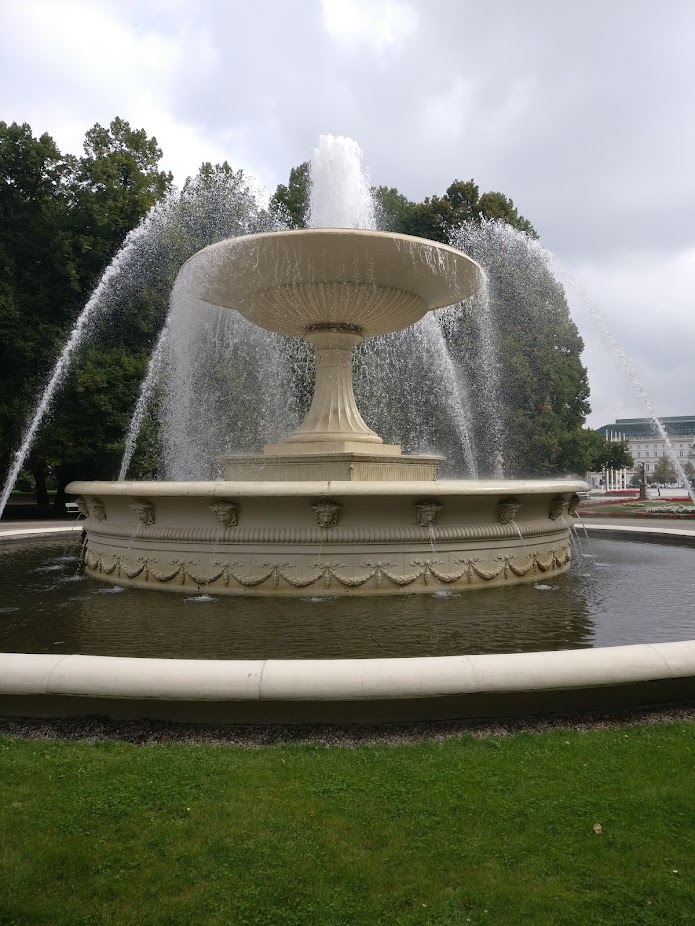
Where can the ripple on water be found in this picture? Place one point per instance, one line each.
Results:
(112, 590)
(201, 599)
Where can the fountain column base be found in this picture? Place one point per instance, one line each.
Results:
(330, 463)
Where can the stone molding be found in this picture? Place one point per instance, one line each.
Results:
(316, 535)
(474, 571)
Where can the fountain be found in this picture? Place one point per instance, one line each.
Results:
(331, 511)
(331, 508)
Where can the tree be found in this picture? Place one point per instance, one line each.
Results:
(607, 454)
(521, 354)
(61, 221)
(39, 289)
(115, 184)
(438, 217)
(664, 471)
(689, 470)
(392, 208)
(291, 202)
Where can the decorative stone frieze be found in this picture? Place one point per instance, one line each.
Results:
(144, 509)
(226, 512)
(231, 575)
(507, 510)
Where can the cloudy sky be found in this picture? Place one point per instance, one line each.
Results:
(581, 112)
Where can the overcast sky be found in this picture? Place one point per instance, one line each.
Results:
(581, 112)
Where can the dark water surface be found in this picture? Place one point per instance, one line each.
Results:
(616, 592)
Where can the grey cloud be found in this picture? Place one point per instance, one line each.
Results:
(580, 112)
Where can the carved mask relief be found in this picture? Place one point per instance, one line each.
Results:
(327, 513)
(144, 510)
(507, 510)
(226, 512)
(427, 512)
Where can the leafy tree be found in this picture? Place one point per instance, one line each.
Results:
(115, 184)
(39, 288)
(520, 345)
(61, 221)
(608, 454)
(689, 469)
(437, 217)
(291, 202)
(392, 208)
(664, 471)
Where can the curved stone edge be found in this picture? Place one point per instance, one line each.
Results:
(18, 533)
(641, 533)
(320, 489)
(116, 677)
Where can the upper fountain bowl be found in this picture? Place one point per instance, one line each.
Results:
(370, 282)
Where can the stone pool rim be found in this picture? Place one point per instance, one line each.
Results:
(467, 687)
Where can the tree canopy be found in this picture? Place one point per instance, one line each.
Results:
(62, 219)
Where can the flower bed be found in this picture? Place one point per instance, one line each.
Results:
(630, 508)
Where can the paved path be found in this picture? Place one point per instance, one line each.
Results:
(679, 524)
(12, 530)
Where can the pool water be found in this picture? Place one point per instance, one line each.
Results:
(616, 592)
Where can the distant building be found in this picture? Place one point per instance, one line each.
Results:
(645, 442)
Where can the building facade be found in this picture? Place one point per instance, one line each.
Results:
(647, 445)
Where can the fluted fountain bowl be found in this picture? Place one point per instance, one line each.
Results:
(292, 282)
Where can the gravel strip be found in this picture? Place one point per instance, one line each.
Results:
(153, 733)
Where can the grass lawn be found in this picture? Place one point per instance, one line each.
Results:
(492, 830)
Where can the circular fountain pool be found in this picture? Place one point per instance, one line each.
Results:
(613, 595)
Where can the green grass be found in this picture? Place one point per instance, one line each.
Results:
(494, 830)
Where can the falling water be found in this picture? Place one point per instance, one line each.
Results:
(124, 260)
(608, 338)
(144, 398)
(226, 385)
(479, 239)
(198, 352)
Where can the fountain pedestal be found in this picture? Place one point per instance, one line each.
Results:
(333, 442)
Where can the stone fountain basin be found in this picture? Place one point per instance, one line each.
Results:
(367, 691)
(373, 282)
(326, 538)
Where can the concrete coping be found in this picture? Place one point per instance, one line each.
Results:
(342, 679)
(458, 487)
